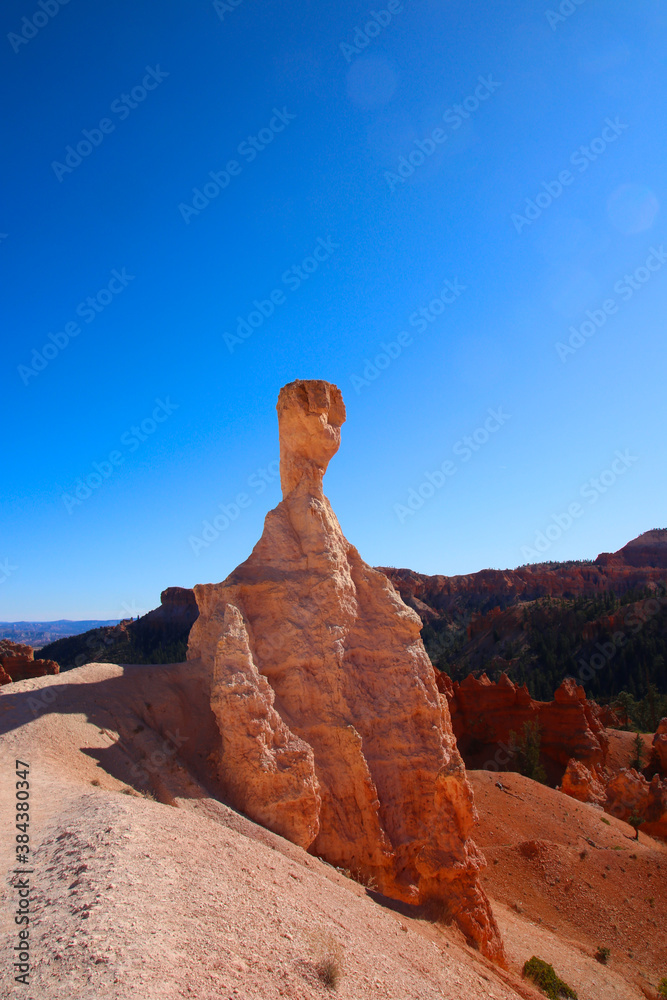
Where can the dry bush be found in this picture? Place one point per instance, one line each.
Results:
(329, 957)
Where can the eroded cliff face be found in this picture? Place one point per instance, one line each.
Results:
(351, 682)
(488, 712)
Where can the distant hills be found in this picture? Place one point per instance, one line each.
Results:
(160, 636)
(603, 621)
(38, 634)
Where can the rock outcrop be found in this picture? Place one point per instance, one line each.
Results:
(268, 771)
(352, 684)
(648, 549)
(583, 783)
(630, 794)
(659, 749)
(177, 611)
(487, 712)
(160, 636)
(18, 663)
(571, 726)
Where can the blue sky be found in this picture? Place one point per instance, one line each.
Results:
(480, 184)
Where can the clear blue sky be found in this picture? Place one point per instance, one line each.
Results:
(403, 166)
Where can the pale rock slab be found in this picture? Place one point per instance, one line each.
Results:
(268, 772)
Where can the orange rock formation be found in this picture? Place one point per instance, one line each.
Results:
(17, 663)
(630, 794)
(583, 783)
(352, 684)
(659, 753)
(487, 712)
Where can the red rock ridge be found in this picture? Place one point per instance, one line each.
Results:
(488, 712)
(642, 561)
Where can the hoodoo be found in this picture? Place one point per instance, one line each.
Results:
(324, 694)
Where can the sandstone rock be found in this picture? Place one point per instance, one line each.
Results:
(267, 770)
(20, 649)
(655, 823)
(571, 727)
(488, 712)
(608, 717)
(352, 680)
(630, 794)
(627, 794)
(659, 752)
(21, 670)
(648, 549)
(178, 610)
(441, 594)
(583, 783)
(17, 662)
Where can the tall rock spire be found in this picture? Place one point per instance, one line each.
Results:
(350, 683)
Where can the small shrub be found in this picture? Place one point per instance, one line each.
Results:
(329, 973)
(544, 976)
(662, 988)
(602, 955)
(603, 820)
(328, 958)
(635, 822)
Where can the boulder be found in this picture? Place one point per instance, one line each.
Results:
(343, 657)
(627, 794)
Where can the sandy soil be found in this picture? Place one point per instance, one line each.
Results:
(576, 873)
(138, 898)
